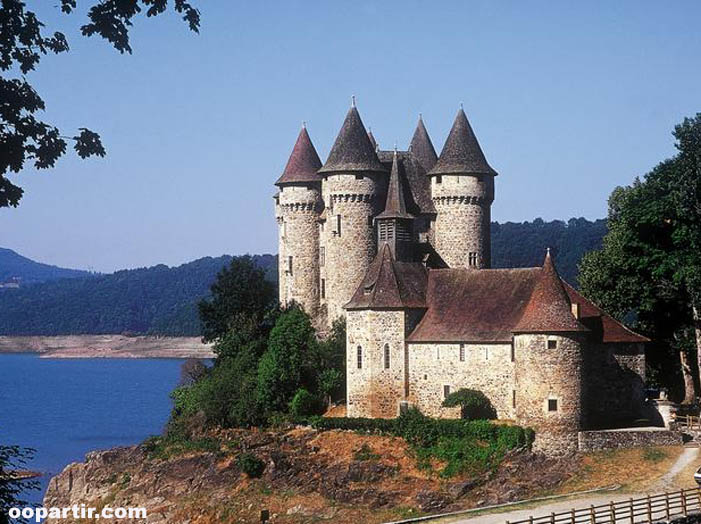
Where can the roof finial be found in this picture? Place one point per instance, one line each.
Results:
(547, 251)
(461, 107)
(421, 117)
(304, 124)
(352, 100)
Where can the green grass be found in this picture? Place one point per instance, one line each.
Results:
(167, 447)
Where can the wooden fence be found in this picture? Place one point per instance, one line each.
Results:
(688, 421)
(653, 508)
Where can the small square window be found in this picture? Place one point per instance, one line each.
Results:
(552, 404)
(446, 391)
(552, 344)
(358, 177)
(439, 179)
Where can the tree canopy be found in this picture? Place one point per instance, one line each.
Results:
(23, 42)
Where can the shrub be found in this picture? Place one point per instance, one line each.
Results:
(304, 404)
(250, 465)
(473, 404)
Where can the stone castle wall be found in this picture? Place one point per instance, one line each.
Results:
(543, 375)
(463, 219)
(487, 368)
(628, 438)
(298, 216)
(349, 253)
(375, 390)
(614, 383)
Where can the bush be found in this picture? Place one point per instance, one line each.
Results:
(473, 404)
(304, 404)
(250, 465)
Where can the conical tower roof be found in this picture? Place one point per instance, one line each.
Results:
(395, 205)
(303, 163)
(422, 147)
(352, 150)
(372, 139)
(549, 309)
(391, 284)
(462, 153)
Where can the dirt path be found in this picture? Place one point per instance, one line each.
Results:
(688, 456)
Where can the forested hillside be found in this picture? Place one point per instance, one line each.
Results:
(163, 300)
(156, 300)
(13, 265)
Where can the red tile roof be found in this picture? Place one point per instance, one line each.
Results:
(303, 162)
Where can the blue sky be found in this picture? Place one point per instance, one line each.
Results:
(568, 100)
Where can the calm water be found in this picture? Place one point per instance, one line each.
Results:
(65, 408)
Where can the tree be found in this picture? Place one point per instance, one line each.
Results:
(240, 289)
(25, 138)
(290, 362)
(650, 266)
(473, 404)
(12, 459)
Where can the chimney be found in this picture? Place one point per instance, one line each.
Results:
(576, 310)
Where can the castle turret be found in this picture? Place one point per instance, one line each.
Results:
(353, 182)
(422, 147)
(462, 189)
(297, 210)
(548, 343)
(394, 224)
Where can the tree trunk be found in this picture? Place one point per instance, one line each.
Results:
(697, 336)
(689, 393)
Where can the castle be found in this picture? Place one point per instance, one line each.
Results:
(398, 243)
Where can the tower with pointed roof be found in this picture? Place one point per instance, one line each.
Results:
(354, 181)
(462, 189)
(298, 208)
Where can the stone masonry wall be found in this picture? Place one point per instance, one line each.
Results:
(349, 254)
(542, 375)
(462, 221)
(299, 238)
(614, 382)
(487, 367)
(375, 390)
(613, 439)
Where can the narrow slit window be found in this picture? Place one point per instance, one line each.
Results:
(513, 398)
(323, 288)
(513, 351)
(462, 352)
(360, 357)
(322, 256)
(386, 356)
(289, 264)
(338, 225)
(552, 404)
(446, 391)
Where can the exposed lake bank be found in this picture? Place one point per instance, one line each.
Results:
(107, 346)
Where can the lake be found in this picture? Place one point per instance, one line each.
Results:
(65, 408)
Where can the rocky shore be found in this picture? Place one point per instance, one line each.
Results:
(107, 346)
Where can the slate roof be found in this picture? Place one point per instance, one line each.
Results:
(418, 198)
(303, 163)
(603, 327)
(352, 150)
(372, 139)
(467, 305)
(422, 147)
(389, 284)
(395, 205)
(549, 308)
(462, 153)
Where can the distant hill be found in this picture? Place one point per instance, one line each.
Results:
(155, 300)
(15, 266)
(163, 300)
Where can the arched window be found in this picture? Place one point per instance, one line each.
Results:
(386, 356)
(360, 357)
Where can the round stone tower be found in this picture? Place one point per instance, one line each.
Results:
(354, 181)
(298, 207)
(548, 342)
(462, 189)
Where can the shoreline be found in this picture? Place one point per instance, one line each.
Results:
(107, 346)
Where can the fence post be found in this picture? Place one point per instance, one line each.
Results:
(552, 518)
(592, 518)
(632, 514)
(612, 509)
(666, 504)
(684, 503)
(574, 518)
(649, 509)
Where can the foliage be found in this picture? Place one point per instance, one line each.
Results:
(365, 453)
(23, 43)
(12, 459)
(157, 300)
(239, 289)
(304, 404)
(250, 465)
(332, 354)
(474, 404)
(175, 444)
(290, 360)
(649, 268)
(27, 271)
(464, 446)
